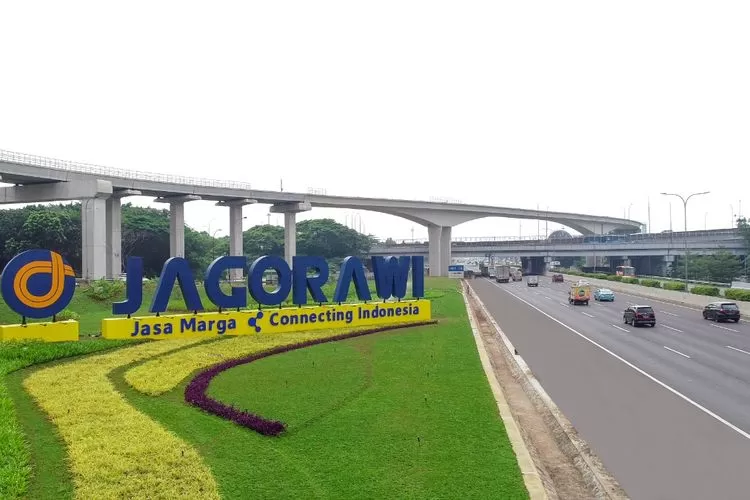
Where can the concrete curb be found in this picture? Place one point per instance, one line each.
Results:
(617, 287)
(531, 477)
(601, 482)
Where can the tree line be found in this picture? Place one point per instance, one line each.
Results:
(145, 233)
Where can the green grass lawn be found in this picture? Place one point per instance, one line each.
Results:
(406, 414)
(20, 421)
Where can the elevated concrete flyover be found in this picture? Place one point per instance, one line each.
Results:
(659, 245)
(25, 171)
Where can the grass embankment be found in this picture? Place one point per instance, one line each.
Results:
(113, 450)
(92, 303)
(407, 413)
(16, 457)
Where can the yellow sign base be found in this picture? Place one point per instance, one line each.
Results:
(267, 321)
(59, 331)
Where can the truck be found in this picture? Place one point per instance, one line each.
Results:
(502, 274)
(580, 293)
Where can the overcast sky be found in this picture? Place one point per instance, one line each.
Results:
(583, 106)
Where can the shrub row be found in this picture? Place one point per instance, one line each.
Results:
(674, 285)
(737, 294)
(711, 291)
(651, 283)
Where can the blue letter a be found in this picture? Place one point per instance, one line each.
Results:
(176, 268)
(351, 269)
(391, 275)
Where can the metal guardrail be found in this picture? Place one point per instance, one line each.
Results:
(579, 240)
(87, 168)
(99, 170)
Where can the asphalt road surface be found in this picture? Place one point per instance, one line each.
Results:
(666, 408)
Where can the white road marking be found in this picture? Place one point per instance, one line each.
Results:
(672, 328)
(587, 314)
(740, 350)
(642, 372)
(677, 352)
(667, 312)
(621, 328)
(547, 297)
(725, 328)
(564, 304)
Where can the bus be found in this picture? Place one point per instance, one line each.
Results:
(628, 271)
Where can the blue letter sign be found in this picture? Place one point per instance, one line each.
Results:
(307, 274)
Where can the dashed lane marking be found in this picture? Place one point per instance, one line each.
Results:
(587, 314)
(621, 329)
(671, 389)
(676, 352)
(725, 328)
(672, 328)
(739, 350)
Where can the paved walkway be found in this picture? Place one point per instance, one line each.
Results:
(671, 296)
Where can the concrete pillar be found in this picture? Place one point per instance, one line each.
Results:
(290, 236)
(177, 222)
(290, 211)
(236, 243)
(114, 231)
(434, 233)
(445, 250)
(94, 238)
(177, 229)
(114, 237)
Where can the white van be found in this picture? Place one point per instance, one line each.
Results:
(532, 280)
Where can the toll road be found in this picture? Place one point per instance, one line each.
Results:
(667, 408)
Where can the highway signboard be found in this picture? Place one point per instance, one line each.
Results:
(456, 271)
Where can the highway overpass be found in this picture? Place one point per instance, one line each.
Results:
(36, 179)
(650, 250)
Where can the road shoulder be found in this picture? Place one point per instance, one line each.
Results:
(563, 464)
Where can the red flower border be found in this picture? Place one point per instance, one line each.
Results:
(195, 392)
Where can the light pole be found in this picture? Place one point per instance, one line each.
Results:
(684, 204)
(732, 209)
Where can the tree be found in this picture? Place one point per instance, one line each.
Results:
(145, 234)
(42, 229)
(744, 226)
(721, 267)
(329, 239)
(263, 240)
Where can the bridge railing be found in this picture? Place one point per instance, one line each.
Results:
(87, 168)
(507, 241)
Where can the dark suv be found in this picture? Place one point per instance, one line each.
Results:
(639, 315)
(722, 311)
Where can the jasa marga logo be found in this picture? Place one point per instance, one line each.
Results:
(38, 283)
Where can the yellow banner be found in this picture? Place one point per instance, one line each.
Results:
(59, 331)
(267, 321)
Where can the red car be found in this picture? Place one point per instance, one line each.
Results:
(557, 278)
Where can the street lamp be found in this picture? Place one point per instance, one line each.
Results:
(684, 204)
